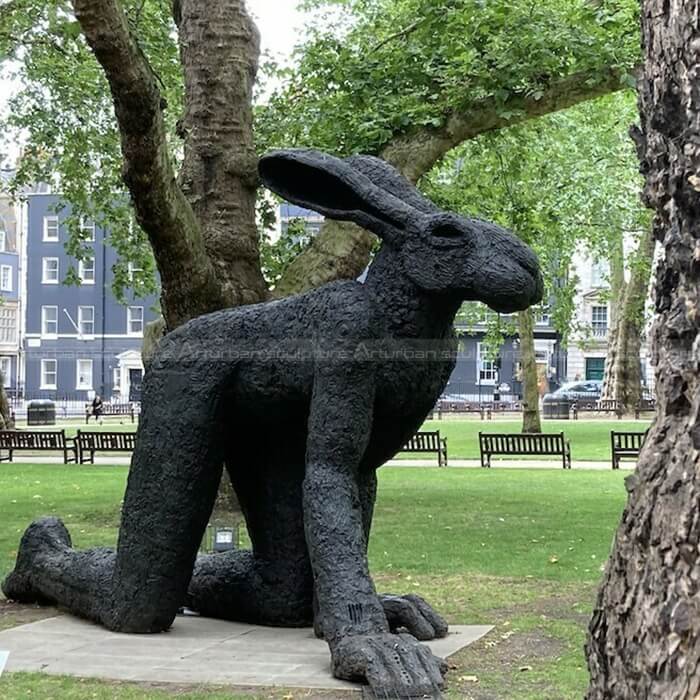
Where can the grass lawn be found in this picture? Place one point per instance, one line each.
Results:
(590, 439)
(519, 549)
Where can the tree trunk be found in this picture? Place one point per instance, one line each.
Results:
(340, 251)
(528, 362)
(623, 376)
(644, 638)
(219, 48)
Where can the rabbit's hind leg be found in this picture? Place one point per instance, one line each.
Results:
(272, 584)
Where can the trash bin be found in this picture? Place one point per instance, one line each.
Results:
(556, 408)
(41, 412)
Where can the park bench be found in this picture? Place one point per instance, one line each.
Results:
(599, 406)
(447, 406)
(501, 407)
(644, 406)
(428, 442)
(625, 444)
(111, 410)
(37, 441)
(540, 444)
(90, 441)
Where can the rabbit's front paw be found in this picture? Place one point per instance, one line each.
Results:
(394, 665)
(414, 614)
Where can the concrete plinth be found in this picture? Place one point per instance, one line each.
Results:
(196, 650)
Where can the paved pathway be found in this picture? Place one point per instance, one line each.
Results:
(195, 650)
(512, 463)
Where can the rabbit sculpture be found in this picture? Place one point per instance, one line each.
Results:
(301, 400)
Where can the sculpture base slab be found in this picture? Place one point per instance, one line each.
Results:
(196, 650)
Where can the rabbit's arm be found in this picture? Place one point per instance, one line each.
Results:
(339, 426)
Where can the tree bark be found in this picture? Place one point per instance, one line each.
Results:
(220, 46)
(623, 376)
(530, 380)
(340, 251)
(189, 281)
(415, 153)
(644, 637)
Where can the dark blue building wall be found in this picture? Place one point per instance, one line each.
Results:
(467, 380)
(111, 336)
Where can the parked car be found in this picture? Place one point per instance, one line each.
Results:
(590, 389)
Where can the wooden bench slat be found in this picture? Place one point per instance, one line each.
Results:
(626, 444)
(89, 442)
(39, 441)
(428, 441)
(507, 444)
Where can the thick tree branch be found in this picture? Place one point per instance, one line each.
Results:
(415, 154)
(189, 283)
(219, 46)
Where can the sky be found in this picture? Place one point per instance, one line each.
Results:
(279, 23)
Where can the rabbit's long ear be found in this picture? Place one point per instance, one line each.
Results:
(337, 190)
(390, 179)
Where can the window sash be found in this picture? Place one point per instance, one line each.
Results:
(83, 374)
(50, 229)
(6, 278)
(87, 226)
(134, 320)
(49, 270)
(49, 316)
(86, 271)
(487, 371)
(49, 371)
(86, 320)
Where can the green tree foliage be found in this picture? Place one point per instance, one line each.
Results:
(64, 109)
(379, 68)
(368, 72)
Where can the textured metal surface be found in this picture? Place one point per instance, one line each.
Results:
(303, 399)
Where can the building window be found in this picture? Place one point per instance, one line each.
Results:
(86, 271)
(48, 374)
(49, 270)
(542, 316)
(87, 229)
(49, 321)
(133, 271)
(8, 323)
(487, 369)
(599, 320)
(6, 369)
(86, 320)
(134, 320)
(600, 273)
(83, 375)
(6, 278)
(3, 240)
(50, 229)
(595, 368)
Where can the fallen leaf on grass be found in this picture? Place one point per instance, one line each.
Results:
(525, 668)
(554, 559)
(468, 679)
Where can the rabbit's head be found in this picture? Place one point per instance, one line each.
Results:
(442, 253)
